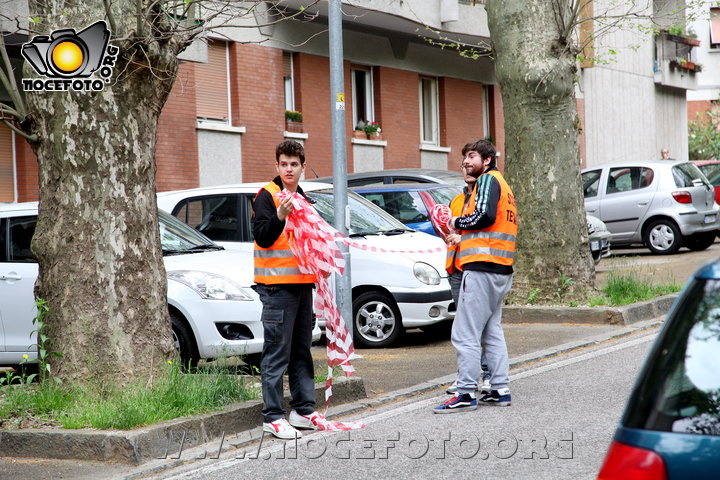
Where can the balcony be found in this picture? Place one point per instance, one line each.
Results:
(674, 61)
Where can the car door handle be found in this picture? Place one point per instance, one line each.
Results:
(10, 276)
(642, 204)
(591, 211)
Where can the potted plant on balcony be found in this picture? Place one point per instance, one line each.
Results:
(293, 121)
(372, 129)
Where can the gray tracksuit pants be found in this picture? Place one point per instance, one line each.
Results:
(477, 321)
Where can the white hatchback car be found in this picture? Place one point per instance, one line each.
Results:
(391, 291)
(213, 310)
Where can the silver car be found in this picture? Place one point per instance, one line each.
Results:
(663, 204)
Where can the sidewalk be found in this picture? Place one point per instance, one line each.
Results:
(386, 379)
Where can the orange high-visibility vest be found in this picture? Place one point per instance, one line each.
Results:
(451, 261)
(496, 243)
(277, 264)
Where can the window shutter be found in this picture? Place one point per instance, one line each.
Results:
(211, 80)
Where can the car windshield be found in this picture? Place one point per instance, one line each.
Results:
(444, 195)
(679, 390)
(177, 237)
(365, 217)
(685, 173)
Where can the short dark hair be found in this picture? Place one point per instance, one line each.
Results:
(291, 148)
(484, 148)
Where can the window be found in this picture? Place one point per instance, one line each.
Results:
(15, 237)
(215, 217)
(624, 179)
(715, 27)
(486, 111)
(407, 207)
(362, 98)
(288, 81)
(680, 386)
(591, 183)
(212, 93)
(429, 110)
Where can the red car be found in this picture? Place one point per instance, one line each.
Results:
(711, 169)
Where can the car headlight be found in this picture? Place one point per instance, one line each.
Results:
(210, 285)
(426, 273)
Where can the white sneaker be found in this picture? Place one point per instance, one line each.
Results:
(281, 429)
(485, 387)
(306, 422)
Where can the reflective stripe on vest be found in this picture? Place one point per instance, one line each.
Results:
(496, 243)
(277, 264)
(452, 261)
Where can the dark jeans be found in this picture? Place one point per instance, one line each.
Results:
(287, 323)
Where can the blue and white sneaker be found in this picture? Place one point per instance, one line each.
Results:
(497, 398)
(463, 402)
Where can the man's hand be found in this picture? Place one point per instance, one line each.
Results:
(285, 208)
(453, 239)
(451, 224)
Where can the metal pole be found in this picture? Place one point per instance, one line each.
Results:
(343, 287)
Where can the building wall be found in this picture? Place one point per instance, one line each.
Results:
(671, 122)
(697, 106)
(7, 165)
(709, 79)
(176, 148)
(27, 171)
(461, 119)
(257, 100)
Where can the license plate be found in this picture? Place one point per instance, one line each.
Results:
(594, 245)
(710, 218)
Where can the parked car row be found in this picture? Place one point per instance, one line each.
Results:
(213, 310)
(409, 195)
(391, 290)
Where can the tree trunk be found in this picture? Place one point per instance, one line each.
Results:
(535, 68)
(97, 237)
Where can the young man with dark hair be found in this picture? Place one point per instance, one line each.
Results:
(488, 228)
(286, 295)
(455, 273)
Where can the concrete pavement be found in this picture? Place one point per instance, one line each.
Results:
(385, 378)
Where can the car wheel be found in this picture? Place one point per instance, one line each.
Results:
(699, 241)
(596, 256)
(184, 343)
(663, 237)
(377, 320)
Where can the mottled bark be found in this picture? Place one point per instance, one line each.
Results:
(536, 68)
(97, 239)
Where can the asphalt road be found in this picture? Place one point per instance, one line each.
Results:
(559, 427)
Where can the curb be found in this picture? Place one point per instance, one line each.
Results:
(161, 440)
(625, 315)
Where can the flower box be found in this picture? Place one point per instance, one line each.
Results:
(292, 126)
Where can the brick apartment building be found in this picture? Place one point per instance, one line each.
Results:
(227, 109)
